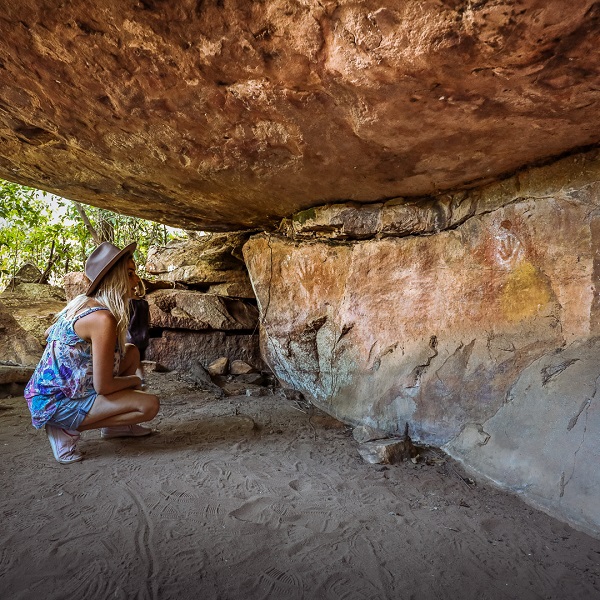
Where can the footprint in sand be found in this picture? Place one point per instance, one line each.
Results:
(180, 496)
(263, 511)
(259, 511)
(338, 587)
(282, 583)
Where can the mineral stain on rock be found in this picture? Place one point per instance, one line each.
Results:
(525, 292)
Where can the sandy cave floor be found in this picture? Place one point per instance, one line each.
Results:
(258, 497)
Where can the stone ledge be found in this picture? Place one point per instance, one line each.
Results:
(187, 309)
(15, 374)
(400, 217)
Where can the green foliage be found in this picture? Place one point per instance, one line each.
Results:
(16, 201)
(49, 232)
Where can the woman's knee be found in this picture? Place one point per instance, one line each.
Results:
(151, 406)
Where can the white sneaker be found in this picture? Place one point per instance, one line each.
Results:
(118, 431)
(64, 444)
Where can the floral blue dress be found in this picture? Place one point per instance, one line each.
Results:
(64, 371)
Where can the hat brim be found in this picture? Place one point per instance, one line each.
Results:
(96, 282)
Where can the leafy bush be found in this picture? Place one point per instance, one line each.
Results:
(51, 233)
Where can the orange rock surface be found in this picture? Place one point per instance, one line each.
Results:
(230, 115)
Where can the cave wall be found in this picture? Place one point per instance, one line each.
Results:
(479, 333)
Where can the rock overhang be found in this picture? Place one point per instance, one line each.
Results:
(225, 115)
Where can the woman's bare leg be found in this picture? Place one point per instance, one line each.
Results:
(127, 407)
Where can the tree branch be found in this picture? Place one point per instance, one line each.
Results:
(46, 274)
(95, 235)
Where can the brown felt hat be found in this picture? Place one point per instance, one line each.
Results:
(101, 260)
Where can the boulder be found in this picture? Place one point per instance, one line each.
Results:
(13, 379)
(220, 366)
(386, 451)
(196, 373)
(187, 309)
(34, 307)
(150, 366)
(18, 347)
(210, 259)
(239, 367)
(27, 273)
(14, 374)
(252, 378)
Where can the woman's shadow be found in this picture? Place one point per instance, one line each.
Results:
(198, 434)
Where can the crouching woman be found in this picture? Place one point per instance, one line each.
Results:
(86, 377)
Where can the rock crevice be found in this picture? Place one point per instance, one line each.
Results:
(402, 217)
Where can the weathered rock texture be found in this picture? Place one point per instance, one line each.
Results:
(543, 441)
(26, 311)
(212, 263)
(33, 306)
(27, 273)
(184, 309)
(17, 345)
(13, 379)
(387, 451)
(228, 325)
(183, 350)
(230, 115)
(441, 332)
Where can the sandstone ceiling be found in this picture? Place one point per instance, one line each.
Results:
(229, 114)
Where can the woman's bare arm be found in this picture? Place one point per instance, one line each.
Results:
(100, 328)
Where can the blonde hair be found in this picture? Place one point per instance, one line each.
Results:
(111, 293)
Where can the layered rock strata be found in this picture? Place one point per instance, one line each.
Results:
(186, 309)
(212, 263)
(182, 350)
(190, 328)
(195, 326)
(190, 323)
(456, 322)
